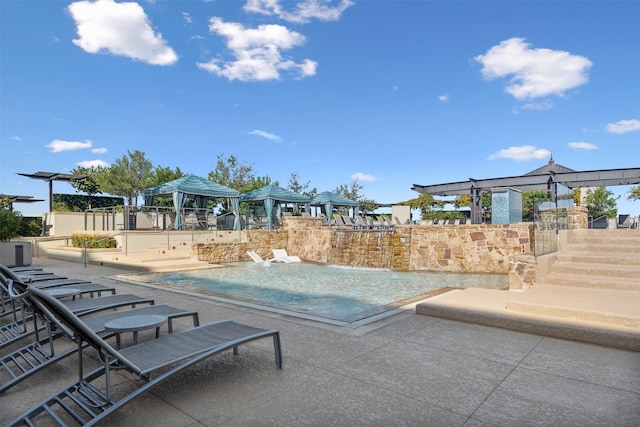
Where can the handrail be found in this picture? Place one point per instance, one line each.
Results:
(593, 220)
(86, 254)
(48, 239)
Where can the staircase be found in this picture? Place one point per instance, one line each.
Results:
(597, 259)
(595, 278)
(175, 257)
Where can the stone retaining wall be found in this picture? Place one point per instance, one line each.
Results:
(457, 248)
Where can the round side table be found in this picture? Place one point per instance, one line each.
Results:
(135, 324)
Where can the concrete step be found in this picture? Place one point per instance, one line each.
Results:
(608, 248)
(588, 281)
(180, 247)
(594, 316)
(157, 266)
(599, 270)
(593, 305)
(606, 237)
(146, 258)
(599, 258)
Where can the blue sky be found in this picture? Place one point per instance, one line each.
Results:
(393, 93)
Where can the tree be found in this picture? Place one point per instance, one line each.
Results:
(530, 200)
(237, 175)
(128, 177)
(367, 206)
(10, 221)
(297, 187)
(426, 204)
(350, 191)
(600, 202)
(161, 175)
(88, 185)
(232, 173)
(634, 193)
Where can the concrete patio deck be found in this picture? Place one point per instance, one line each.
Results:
(408, 369)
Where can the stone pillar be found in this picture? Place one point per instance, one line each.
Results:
(577, 217)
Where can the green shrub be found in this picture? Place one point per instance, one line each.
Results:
(10, 222)
(31, 227)
(93, 241)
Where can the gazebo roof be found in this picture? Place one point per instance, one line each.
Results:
(194, 185)
(329, 197)
(275, 193)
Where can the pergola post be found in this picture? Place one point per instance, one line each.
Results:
(476, 205)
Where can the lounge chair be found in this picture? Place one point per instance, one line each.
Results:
(257, 258)
(280, 255)
(361, 223)
(202, 221)
(624, 221)
(348, 222)
(79, 286)
(29, 276)
(18, 327)
(90, 399)
(26, 361)
(24, 268)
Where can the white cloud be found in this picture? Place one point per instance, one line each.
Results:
(93, 164)
(443, 98)
(624, 126)
(16, 138)
(521, 154)
(57, 145)
(365, 177)
(257, 52)
(545, 105)
(186, 17)
(583, 146)
(121, 29)
(100, 150)
(264, 134)
(303, 12)
(535, 72)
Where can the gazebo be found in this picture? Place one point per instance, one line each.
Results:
(199, 189)
(329, 200)
(273, 195)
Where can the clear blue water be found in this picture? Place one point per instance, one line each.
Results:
(342, 294)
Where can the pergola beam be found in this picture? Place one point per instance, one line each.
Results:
(546, 181)
(54, 176)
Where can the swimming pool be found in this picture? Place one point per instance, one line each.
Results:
(335, 293)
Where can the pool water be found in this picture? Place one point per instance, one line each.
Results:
(336, 293)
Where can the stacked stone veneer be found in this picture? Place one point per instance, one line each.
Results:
(457, 248)
(577, 217)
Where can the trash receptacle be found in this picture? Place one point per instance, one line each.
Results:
(132, 221)
(19, 256)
